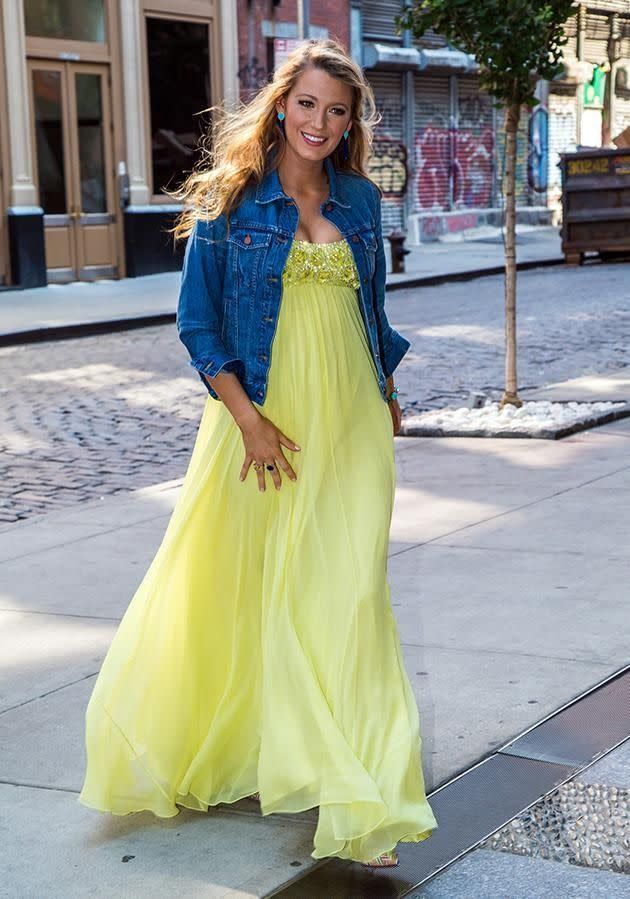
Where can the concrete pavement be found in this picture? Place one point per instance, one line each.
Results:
(58, 310)
(509, 572)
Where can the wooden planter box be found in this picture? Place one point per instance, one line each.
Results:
(595, 203)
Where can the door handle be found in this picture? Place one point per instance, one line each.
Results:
(74, 215)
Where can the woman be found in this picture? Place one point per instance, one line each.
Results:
(260, 652)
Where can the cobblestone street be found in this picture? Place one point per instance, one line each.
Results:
(571, 322)
(111, 413)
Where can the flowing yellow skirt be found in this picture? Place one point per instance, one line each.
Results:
(260, 651)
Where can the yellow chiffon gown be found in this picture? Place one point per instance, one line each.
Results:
(260, 651)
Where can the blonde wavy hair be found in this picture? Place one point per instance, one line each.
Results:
(246, 142)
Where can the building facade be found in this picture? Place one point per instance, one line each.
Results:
(102, 107)
(589, 104)
(440, 147)
(99, 112)
(269, 30)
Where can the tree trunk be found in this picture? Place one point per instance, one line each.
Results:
(513, 114)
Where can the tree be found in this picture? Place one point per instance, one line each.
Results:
(515, 42)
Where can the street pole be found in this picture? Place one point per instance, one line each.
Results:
(304, 15)
(581, 36)
(409, 100)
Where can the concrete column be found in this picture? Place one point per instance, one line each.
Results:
(22, 184)
(229, 50)
(134, 91)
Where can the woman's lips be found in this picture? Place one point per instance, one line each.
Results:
(312, 143)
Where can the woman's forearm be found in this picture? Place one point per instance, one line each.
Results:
(230, 391)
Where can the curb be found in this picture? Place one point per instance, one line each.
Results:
(471, 274)
(87, 329)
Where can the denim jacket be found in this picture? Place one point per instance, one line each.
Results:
(231, 289)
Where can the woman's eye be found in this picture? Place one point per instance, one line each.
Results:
(337, 110)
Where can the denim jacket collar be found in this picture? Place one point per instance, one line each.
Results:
(270, 188)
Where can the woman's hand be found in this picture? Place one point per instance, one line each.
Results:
(394, 407)
(263, 443)
(396, 412)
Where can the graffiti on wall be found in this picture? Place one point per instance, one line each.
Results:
(538, 155)
(388, 166)
(457, 162)
(522, 157)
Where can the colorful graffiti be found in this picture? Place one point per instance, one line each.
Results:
(457, 162)
(538, 156)
(388, 166)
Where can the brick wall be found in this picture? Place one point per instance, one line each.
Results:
(254, 54)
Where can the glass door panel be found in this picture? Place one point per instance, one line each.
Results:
(93, 171)
(49, 140)
(90, 142)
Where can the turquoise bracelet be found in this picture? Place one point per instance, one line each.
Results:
(393, 395)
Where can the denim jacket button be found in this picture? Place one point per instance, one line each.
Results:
(329, 207)
(355, 238)
(247, 238)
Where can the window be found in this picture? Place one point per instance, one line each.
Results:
(69, 19)
(49, 141)
(179, 87)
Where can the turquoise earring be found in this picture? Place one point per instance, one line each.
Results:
(346, 134)
(281, 120)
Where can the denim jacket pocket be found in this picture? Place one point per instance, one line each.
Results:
(248, 249)
(369, 243)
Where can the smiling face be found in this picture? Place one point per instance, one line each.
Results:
(317, 112)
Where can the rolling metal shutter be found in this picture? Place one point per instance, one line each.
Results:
(432, 144)
(388, 164)
(475, 147)
(562, 132)
(378, 20)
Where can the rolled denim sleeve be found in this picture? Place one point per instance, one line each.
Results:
(394, 345)
(200, 305)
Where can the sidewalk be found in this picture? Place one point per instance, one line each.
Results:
(509, 573)
(59, 310)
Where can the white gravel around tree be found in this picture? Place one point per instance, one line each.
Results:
(533, 418)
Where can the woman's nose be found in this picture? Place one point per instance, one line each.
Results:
(319, 121)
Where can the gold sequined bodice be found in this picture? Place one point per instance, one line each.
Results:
(324, 263)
